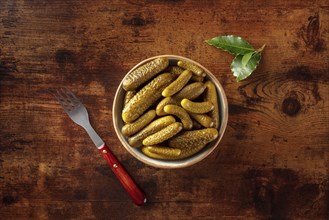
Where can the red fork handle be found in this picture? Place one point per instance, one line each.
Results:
(126, 180)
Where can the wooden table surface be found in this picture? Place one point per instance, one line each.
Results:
(272, 162)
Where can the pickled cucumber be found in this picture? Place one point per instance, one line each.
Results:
(211, 96)
(203, 119)
(181, 114)
(177, 71)
(190, 91)
(128, 96)
(153, 127)
(166, 101)
(190, 66)
(163, 134)
(168, 153)
(144, 73)
(178, 84)
(147, 150)
(164, 150)
(189, 151)
(132, 128)
(146, 97)
(193, 138)
(197, 107)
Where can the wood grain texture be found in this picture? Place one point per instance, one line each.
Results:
(272, 162)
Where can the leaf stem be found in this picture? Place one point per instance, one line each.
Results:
(261, 49)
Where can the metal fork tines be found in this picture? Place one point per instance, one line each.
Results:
(77, 112)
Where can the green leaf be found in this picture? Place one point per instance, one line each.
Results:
(233, 44)
(246, 58)
(241, 72)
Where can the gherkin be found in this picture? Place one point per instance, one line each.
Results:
(153, 127)
(203, 119)
(164, 134)
(211, 96)
(178, 84)
(193, 138)
(134, 127)
(162, 153)
(145, 72)
(181, 114)
(197, 107)
(145, 97)
(190, 91)
(190, 66)
(168, 153)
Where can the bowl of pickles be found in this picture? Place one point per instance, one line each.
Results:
(170, 112)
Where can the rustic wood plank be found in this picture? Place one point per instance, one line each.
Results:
(272, 162)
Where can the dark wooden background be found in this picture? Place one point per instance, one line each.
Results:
(272, 163)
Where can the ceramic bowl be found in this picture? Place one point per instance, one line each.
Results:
(137, 153)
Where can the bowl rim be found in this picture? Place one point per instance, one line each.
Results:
(170, 164)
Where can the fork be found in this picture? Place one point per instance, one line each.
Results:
(79, 114)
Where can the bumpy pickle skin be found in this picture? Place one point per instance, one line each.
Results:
(147, 152)
(171, 153)
(134, 127)
(190, 151)
(164, 150)
(193, 138)
(190, 66)
(178, 84)
(146, 97)
(128, 96)
(211, 96)
(177, 71)
(203, 119)
(190, 91)
(197, 107)
(166, 101)
(181, 114)
(174, 70)
(144, 73)
(164, 134)
(153, 127)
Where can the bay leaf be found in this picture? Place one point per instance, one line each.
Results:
(240, 71)
(246, 58)
(233, 44)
